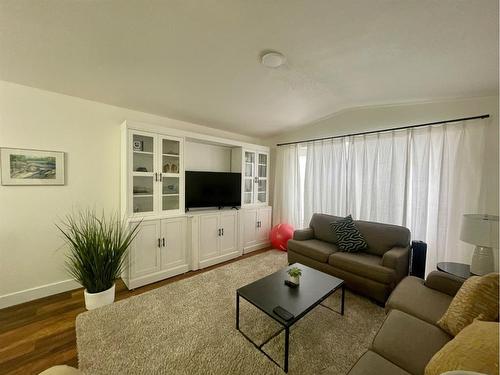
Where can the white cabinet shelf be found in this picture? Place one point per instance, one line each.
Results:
(254, 168)
(159, 251)
(256, 223)
(215, 237)
(154, 175)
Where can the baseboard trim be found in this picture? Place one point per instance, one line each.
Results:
(258, 246)
(219, 259)
(31, 294)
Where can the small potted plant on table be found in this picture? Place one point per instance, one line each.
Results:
(97, 252)
(294, 274)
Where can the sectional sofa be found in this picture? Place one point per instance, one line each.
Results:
(409, 336)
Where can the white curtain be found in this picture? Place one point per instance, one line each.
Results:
(422, 178)
(445, 173)
(288, 196)
(377, 176)
(326, 161)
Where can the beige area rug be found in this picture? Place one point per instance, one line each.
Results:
(188, 327)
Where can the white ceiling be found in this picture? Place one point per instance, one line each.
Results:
(198, 60)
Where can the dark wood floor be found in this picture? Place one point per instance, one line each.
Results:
(39, 334)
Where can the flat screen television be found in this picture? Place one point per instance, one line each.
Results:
(213, 189)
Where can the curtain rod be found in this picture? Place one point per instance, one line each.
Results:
(386, 130)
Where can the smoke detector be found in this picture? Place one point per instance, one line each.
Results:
(273, 59)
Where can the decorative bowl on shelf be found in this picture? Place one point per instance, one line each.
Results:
(174, 168)
(170, 189)
(166, 168)
(141, 169)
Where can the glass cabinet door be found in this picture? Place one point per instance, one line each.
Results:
(170, 174)
(249, 177)
(262, 178)
(143, 173)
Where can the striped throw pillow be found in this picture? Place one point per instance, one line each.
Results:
(349, 238)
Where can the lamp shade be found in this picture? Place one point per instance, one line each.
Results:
(480, 230)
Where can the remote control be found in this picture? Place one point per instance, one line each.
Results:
(282, 313)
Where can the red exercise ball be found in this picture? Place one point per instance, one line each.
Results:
(280, 234)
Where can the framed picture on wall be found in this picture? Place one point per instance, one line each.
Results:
(31, 167)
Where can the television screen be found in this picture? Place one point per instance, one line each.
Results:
(213, 189)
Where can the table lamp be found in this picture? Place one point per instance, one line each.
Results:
(482, 231)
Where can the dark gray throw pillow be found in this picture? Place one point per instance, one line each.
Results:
(349, 238)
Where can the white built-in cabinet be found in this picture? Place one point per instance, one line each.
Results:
(170, 241)
(155, 171)
(254, 168)
(216, 236)
(256, 226)
(158, 251)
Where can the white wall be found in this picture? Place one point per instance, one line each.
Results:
(382, 117)
(31, 250)
(207, 157)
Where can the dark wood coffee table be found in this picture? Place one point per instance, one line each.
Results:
(270, 291)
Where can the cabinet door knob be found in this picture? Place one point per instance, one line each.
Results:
(163, 241)
(222, 231)
(219, 231)
(156, 176)
(159, 242)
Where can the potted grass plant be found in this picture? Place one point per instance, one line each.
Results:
(97, 250)
(294, 274)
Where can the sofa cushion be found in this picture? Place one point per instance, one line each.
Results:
(348, 236)
(371, 363)
(382, 237)
(444, 282)
(477, 298)
(303, 234)
(475, 348)
(408, 342)
(315, 249)
(413, 297)
(363, 264)
(320, 223)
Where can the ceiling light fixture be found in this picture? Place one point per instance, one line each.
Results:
(273, 59)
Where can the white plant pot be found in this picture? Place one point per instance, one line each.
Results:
(95, 300)
(294, 280)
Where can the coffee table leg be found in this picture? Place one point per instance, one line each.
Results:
(237, 311)
(287, 337)
(343, 299)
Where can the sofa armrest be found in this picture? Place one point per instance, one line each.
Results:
(397, 259)
(303, 234)
(444, 282)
